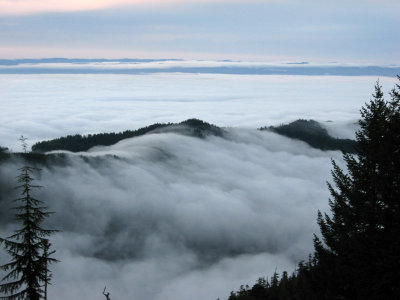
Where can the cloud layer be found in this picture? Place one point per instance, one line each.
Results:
(49, 106)
(178, 216)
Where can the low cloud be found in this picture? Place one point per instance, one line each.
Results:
(49, 106)
(175, 215)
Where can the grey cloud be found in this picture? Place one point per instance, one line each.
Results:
(180, 216)
(175, 215)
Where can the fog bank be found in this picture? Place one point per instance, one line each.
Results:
(177, 217)
(49, 106)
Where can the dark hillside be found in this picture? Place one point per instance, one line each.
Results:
(308, 131)
(78, 143)
(314, 134)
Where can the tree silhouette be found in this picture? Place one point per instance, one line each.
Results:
(107, 295)
(360, 253)
(358, 257)
(28, 269)
(47, 260)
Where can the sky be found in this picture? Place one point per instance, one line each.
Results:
(346, 31)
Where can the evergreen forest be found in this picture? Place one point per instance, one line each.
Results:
(314, 134)
(357, 253)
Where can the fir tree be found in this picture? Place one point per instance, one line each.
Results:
(359, 255)
(28, 269)
(46, 258)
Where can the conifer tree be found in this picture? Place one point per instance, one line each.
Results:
(358, 257)
(46, 258)
(28, 269)
(360, 254)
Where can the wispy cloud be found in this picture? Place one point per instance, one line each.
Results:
(13, 7)
(32, 6)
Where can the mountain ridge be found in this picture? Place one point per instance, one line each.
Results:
(308, 131)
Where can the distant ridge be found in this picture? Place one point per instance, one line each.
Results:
(79, 143)
(144, 66)
(55, 60)
(314, 134)
(309, 131)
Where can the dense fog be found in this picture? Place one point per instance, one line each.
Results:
(175, 215)
(49, 106)
(169, 216)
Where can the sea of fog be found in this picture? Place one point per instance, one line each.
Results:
(49, 106)
(175, 217)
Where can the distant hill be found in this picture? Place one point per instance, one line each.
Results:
(147, 66)
(78, 143)
(14, 62)
(308, 131)
(314, 134)
(3, 149)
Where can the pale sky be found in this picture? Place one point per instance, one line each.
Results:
(348, 31)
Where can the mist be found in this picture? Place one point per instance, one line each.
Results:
(49, 106)
(166, 215)
(174, 216)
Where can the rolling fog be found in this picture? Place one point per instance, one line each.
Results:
(179, 216)
(173, 216)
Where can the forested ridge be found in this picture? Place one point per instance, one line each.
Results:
(308, 131)
(314, 134)
(78, 143)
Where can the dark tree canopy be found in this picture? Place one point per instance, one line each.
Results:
(361, 236)
(314, 134)
(78, 143)
(28, 246)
